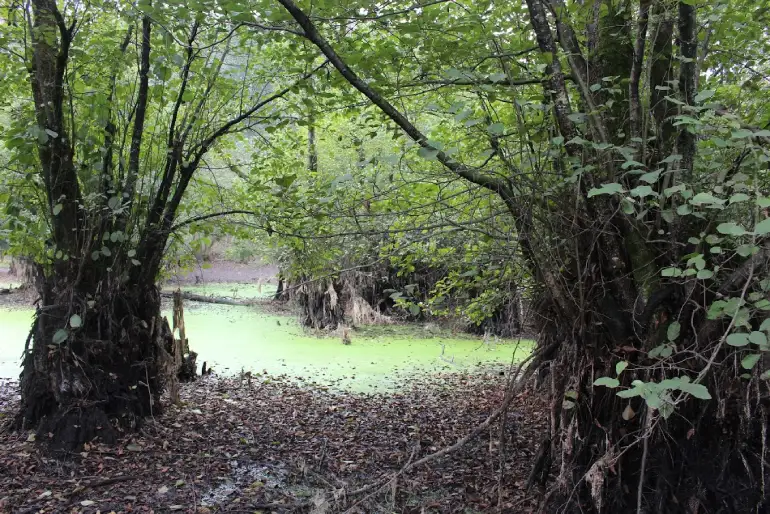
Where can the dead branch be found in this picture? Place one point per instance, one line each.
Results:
(212, 299)
(515, 385)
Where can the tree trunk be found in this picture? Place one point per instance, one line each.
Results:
(321, 304)
(100, 377)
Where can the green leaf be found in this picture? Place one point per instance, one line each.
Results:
(135, 262)
(673, 331)
(428, 153)
(106, 251)
(620, 367)
(738, 197)
(763, 227)
(742, 134)
(705, 274)
(496, 129)
(738, 339)
(612, 383)
(746, 250)
(704, 95)
(731, 229)
(650, 177)
(60, 336)
(131, 253)
(758, 338)
(749, 361)
(706, 199)
(76, 321)
(113, 203)
(635, 164)
(497, 77)
(606, 189)
(57, 209)
(765, 325)
(642, 191)
(697, 390)
(633, 392)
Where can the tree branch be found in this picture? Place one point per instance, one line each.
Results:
(315, 37)
(635, 108)
(140, 114)
(470, 82)
(688, 38)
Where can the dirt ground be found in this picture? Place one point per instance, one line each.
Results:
(266, 444)
(228, 272)
(217, 272)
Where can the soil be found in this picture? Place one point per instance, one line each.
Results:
(216, 272)
(266, 444)
(227, 272)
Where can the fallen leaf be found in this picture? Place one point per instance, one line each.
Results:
(87, 503)
(133, 447)
(163, 490)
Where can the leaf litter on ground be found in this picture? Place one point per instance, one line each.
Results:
(273, 445)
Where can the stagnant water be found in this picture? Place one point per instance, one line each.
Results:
(234, 338)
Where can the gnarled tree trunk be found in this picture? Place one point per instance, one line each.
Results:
(96, 363)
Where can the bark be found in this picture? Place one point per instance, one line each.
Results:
(659, 85)
(51, 43)
(322, 305)
(688, 40)
(141, 112)
(708, 453)
(312, 150)
(105, 377)
(497, 185)
(635, 104)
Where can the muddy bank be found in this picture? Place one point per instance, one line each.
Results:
(226, 271)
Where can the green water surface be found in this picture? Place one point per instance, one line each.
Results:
(234, 338)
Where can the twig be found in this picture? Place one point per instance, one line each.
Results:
(645, 445)
(384, 484)
(514, 388)
(109, 481)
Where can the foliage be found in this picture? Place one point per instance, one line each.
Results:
(607, 159)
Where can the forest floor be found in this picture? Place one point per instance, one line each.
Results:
(270, 444)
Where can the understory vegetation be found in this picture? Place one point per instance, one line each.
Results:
(591, 173)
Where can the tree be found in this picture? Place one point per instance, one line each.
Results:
(124, 109)
(639, 202)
